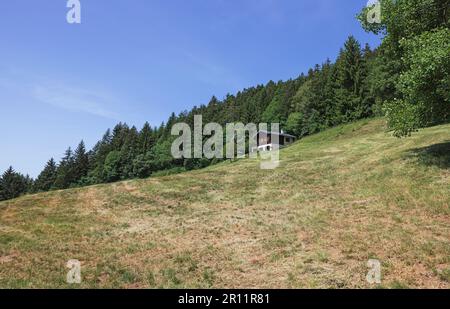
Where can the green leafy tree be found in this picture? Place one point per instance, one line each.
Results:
(162, 154)
(415, 51)
(143, 165)
(294, 124)
(112, 167)
(274, 112)
(425, 84)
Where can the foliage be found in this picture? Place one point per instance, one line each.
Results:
(425, 83)
(112, 166)
(46, 179)
(413, 62)
(407, 78)
(13, 184)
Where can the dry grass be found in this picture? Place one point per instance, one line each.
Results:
(339, 198)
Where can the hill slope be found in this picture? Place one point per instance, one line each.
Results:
(339, 198)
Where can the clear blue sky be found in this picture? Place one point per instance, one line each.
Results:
(139, 60)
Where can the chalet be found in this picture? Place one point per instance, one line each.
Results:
(266, 140)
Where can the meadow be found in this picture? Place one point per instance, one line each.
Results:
(338, 199)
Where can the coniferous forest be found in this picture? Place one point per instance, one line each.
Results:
(406, 79)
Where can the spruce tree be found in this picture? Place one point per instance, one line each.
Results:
(65, 173)
(146, 139)
(129, 151)
(46, 178)
(98, 156)
(81, 162)
(349, 81)
(13, 184)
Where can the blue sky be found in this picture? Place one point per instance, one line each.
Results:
(139, 60)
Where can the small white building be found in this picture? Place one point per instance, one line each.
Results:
(267, 141)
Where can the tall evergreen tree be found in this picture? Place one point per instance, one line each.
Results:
(350, 79)
(129, 151)
(98, 157)
(146, 139)
(13, 184)
(81, 162)
(46, 178)
(65, 175)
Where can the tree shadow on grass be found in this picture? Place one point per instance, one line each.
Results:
(437, 155)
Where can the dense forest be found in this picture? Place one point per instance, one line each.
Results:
(406, 79)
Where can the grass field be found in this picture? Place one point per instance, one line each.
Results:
(339, 198)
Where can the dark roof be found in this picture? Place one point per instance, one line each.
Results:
(276, 133)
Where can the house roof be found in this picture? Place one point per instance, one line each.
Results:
(276, 133)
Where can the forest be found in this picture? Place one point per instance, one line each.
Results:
(406, 79)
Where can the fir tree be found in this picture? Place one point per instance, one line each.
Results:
(81, 162)
(65, 175)
(47, 177)
(13, 184)
(146, 139)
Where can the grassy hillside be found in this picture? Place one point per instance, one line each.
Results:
(338, 199)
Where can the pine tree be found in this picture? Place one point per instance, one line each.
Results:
(129, 151)
(350, 80)
(166, 129)
(81, 162)
(46, 178)
(66, 171)
(29, 184)
(119, 136)
(13, 184)
(98, 157)
(146, 139)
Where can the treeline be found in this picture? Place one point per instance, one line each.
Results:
(329, 94)
(406, 78)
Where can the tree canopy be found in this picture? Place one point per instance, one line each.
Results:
(414, 62)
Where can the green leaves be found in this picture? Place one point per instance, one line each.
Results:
(416, 50)
(425, 83)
